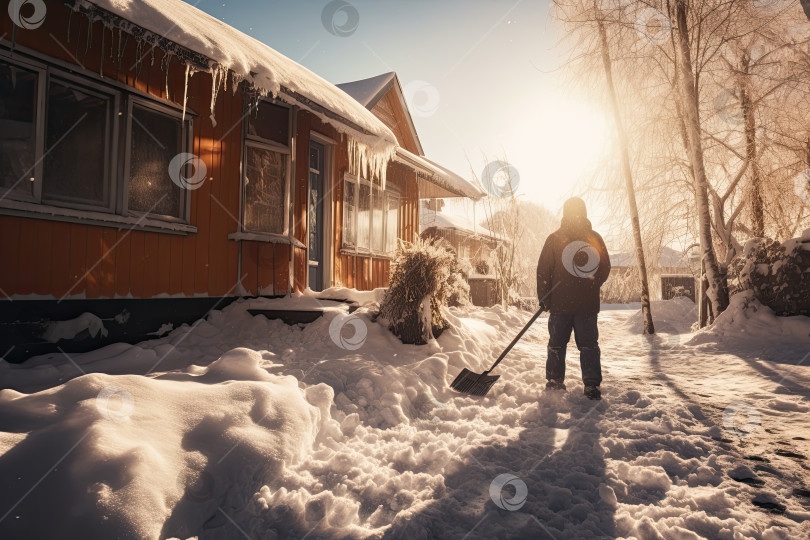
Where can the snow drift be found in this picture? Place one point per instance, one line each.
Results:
(148, 457)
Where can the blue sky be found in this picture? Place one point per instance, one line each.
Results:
(482, 77)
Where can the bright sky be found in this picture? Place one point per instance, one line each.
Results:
(481, 77)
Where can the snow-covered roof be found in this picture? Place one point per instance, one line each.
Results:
(268, 70)
(369, 91)
(429, 218)
(445, 183)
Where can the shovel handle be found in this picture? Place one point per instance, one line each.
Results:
(517, 338)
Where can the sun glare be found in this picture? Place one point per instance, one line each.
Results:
(560, 145)
(574, 137)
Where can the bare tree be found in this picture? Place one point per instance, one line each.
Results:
(649, 327)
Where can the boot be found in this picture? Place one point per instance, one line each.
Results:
(593, 392)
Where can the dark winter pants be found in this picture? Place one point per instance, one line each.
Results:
(586, 335)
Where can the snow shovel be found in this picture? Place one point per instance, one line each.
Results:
(474, 384)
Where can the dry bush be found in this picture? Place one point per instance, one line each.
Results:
(425, 277)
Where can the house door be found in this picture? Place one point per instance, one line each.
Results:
(316, 215)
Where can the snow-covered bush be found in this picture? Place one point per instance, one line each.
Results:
(425, 277)
(621, 287)
(777, 274)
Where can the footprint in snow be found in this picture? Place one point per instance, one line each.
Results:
(766, 501)
(789, 454)
(745, 475)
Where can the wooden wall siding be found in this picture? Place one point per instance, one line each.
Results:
(57, 258)
(66, 259)
(390, 111)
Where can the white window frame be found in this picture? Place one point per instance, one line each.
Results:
(328, 202)
(395, 194)
(387, 192)
(273, 146)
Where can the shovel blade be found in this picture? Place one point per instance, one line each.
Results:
(474, 384)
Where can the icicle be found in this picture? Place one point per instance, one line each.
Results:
(122, 45)
(153, 55)
(112, 49)
(89, 35)
(369, 162)
(218, 75)
(101, 62)
(167, 59)
(138, 53)
(185, 91)
(235, 80)
(70, 19)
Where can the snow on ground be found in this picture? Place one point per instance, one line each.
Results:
(241, 426)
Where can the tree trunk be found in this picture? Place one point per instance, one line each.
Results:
(718, 289)
(649, 327)
(757, 204)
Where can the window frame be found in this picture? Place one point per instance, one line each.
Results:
(387, 193)
(111, 179)
(254, 141)
(114, 214)
(397, 195)
(34, 196)
(186, 145)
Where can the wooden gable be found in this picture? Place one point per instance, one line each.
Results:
(393, 112)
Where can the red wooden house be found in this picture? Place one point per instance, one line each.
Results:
(156, 163)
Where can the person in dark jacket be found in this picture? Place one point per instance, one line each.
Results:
(573, 266)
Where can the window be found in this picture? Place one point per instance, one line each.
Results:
(378, 220)
(364, 217)
(270, 122)
(265, 176)
(18, 129)
(266, 170)
(155, 139)
(391, 222)
(59, 135)
(77, 146)
(370, 217)
(349, 214)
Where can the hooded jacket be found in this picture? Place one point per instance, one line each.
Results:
(573, 266)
